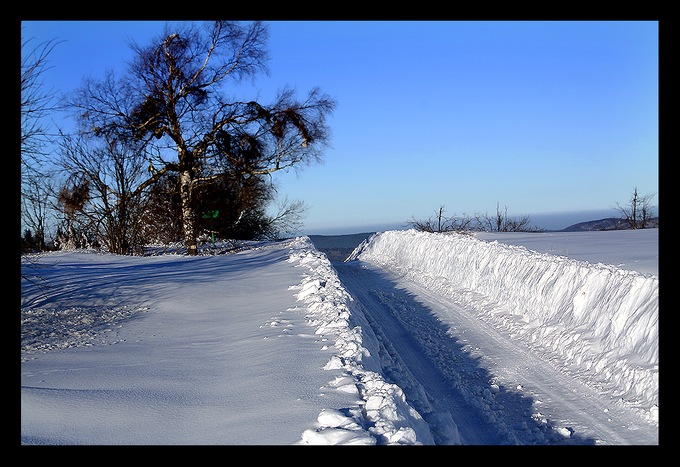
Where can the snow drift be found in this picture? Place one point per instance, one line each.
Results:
(594, 318)
(386, 417)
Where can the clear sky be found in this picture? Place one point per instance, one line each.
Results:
(539, 117)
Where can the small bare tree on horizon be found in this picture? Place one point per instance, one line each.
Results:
(639, 210)
(440, 223)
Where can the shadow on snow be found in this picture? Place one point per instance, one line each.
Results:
(426, 357)
(74, 281)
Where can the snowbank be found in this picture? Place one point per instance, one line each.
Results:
(594, 318)
(382, 416)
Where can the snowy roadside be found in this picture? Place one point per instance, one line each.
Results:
(384, 416)
(598, 322)
(107, 325)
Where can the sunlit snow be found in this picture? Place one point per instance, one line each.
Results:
(268, 345)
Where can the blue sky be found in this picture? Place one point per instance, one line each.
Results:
(547, 119)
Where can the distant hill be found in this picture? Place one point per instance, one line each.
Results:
(609, 223)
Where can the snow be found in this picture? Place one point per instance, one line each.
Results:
(595, 321)
(636, 250)
(274, 344)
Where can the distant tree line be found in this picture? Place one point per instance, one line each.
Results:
(161, 154)
(637, 214)
(500, 222)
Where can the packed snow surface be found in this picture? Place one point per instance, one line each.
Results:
(266, 345)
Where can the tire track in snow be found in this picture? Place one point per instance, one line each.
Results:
(454, 378)
(451, 419)
(572, 409)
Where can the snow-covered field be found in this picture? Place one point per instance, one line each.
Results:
(268, 345)
(635, 250)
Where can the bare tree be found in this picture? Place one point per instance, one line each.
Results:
(440, 223)
(103, 179)
(639, 210)
(36, 104)
(503, 223)
(288, 219)
(171, 103)
(499, 223)
(36, 206)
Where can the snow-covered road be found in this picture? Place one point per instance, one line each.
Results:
(493, 387)
(412, 338)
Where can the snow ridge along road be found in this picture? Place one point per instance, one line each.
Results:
(569, 354)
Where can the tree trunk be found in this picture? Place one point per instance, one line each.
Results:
(188, 214)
